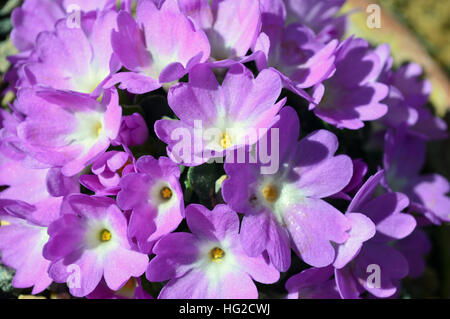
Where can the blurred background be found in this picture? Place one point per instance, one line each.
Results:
(430, 22)
(417, 30)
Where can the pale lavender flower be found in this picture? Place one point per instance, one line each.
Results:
(89, 241)
(209, 263)
(286, 209)
(159, 47)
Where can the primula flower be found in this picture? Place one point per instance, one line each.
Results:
(8, 134)
(21, 242)
(404, 157)
(353, 280)
(210, 262)
(286, 209)
(79, 59)
(414, 248)
(30, 19)
(133, 131)
(297, 55)
(215, 119)
(108, 169)
(313, 283)
(359, 171)
(273, 12)
(396, 249)
(362, 230)
(400, 111)
(36, 16)
(232, 26)
(352, 95)
(132, 289)
(44, 189)
(67, 130)
(384, 211)
(155, 197)
(160, 47)
(89, 242)
(320, 16)
(354, 258)
(10, 143)
(408, 95)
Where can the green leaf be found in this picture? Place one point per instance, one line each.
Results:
(6, 277)
(9, 6)
(203, 179)
(152, 288)
(5, 26)
(6, 49)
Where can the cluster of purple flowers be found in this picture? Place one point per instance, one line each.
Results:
(83, 205)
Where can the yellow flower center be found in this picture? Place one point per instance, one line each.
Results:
(98, 128)
(225, 141)
(105, 236)
(4, 223)
(270, 193)
(166, 193)
(216, 254)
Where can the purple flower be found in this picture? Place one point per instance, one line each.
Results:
(297, 54)
(362, 230)
(108, 169)
(42, 188)
(394, 251)
(28, 21)
(21, 242)
(15, 72)
(215, 119)
(313, 283)
(354, 279)
(408, 94)
(155, 197)
(352, 95)
(10, 143)
(33, 17)
(79, 59)
(89, 242)
(273, 12)
(414, 248)
(36, 16)
(355, 261)
(210, 262)
(232, 26)
(160, 47)
(286, 209)
(8, 133)
(359, 171)
(132, 289)
(408, 79)
(89, 5)
(65, 129)
(429, 126)
(320, 16)
(384, 211)
(133, 131)
(404, 157)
